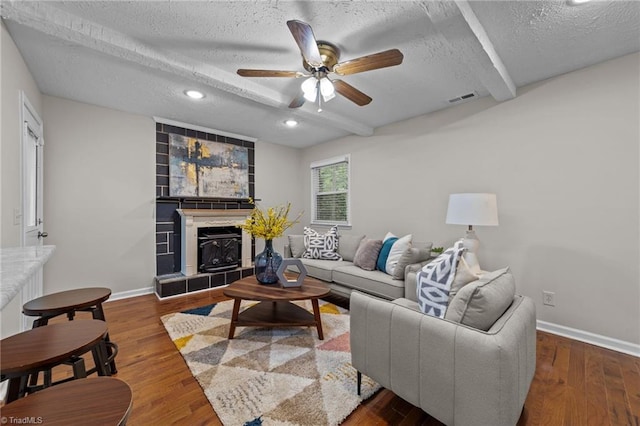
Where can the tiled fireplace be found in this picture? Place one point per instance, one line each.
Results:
(176, 244)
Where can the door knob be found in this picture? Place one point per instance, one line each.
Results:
(42, 234)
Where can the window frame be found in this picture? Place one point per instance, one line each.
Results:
(325, 163)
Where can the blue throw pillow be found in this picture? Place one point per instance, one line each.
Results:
(381, 264)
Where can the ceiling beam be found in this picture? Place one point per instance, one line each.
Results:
(457, 22)
(59, 24)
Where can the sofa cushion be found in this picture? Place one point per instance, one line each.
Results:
(480, 303)
(322, 269)
(296, 245)
(373, 282)
(434, 281)
(415, 253)
(367, 254)
(321, 246)
(348, 245)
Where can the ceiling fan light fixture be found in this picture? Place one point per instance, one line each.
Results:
(310, 89)
(321, 58)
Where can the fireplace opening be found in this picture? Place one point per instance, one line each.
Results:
(219, 248)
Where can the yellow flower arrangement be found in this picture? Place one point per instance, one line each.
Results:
(270, 223)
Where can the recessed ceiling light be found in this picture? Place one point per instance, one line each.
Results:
(194, 94)
(291, 122)
(577, 2)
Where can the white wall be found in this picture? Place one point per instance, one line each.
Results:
(278, 183)
(563, 159)
(14, 77)
(99, 197)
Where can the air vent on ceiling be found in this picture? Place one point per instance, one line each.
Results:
(463, 98)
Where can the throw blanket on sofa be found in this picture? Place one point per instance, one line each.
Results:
(434, 281)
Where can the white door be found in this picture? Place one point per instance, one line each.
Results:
(32, 186)
(32, 179)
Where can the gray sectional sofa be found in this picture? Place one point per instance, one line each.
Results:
(344, 277)
(472, 367)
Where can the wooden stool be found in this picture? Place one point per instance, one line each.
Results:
(68, 303)
(96, 401)
(42, 348)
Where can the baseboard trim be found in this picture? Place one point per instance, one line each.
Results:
(591, 338)
(131, 293)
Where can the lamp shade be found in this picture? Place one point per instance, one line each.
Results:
(472, 209)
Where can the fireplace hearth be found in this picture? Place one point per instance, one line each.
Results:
(218, 249)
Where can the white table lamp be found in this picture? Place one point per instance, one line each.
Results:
(470, 210)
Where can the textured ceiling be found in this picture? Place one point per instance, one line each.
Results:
(140, 56)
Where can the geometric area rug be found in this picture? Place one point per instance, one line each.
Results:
(271, 376)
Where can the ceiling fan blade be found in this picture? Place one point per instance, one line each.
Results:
(303, 35)
(388, 58)
(351, 93)
(298, 101)
(270, 73)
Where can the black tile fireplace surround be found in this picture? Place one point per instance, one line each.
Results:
(169, 281)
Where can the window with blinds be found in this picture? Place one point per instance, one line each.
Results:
(330, 191)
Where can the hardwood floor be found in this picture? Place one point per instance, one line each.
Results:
(575, 383)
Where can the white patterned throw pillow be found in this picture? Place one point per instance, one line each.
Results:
(321, 246)
(434, 281)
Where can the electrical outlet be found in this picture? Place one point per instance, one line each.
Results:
(549, 298)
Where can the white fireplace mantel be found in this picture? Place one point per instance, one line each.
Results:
(192, 219)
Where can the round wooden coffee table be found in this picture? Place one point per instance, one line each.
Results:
(275, 308)
(98, 401)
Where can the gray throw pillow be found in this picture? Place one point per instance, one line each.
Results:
(348, 245)
(296, 244)
(416, 253)
(367, 254)
(480, 303)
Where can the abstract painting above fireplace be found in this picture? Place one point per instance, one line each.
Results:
(207, 169)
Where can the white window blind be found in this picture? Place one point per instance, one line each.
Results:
(330, 191)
